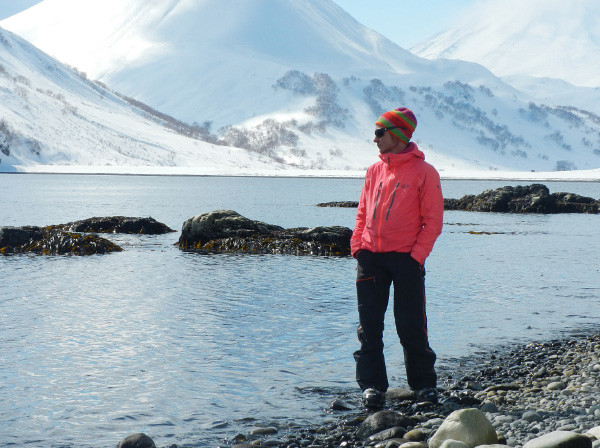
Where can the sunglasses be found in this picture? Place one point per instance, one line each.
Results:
(380, 131)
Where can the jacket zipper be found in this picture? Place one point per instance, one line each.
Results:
(392, 202)
(377, 200)
(385, 194)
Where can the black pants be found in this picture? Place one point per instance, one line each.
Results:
(376, 272)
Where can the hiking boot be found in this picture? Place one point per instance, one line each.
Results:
(373, 399)
(428, 394)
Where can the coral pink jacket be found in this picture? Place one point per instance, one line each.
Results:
(401, 206)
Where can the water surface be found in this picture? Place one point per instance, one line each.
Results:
(186, 347)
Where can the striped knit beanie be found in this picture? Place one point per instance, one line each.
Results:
(401, 117)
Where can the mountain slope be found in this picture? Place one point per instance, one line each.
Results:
(301, 83)
(49, 115)
(212, 51)
(540, 38)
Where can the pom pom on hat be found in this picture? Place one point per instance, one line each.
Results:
(403, 119)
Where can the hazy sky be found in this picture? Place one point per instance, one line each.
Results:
(407, 22)
(10, 7)
(403, 22)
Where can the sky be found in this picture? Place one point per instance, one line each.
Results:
(11, 7)
(403, 22)
(407, 23)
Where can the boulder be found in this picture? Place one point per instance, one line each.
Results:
(118, 224)
(594, 432)
(52, 241)
(226, 231)
(382, 420)
(138, 440)
(560, 439)
(466, 425)
(451, 443)
(535, 198)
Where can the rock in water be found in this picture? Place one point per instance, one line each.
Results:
(139, 440)
(466, 425)
(118, 224)
(535, 198)
(226, 231)
(341, 204)
(52, 241)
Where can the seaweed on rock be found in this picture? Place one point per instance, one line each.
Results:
(226, 231)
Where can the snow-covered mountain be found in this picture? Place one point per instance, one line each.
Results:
(301, 83)
(50, 115)
(535, 38)
(209, 59)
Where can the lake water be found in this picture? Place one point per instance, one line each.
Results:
(191, 348)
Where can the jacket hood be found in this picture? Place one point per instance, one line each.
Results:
(411, 152)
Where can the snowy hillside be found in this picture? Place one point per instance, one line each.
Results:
(541, 38)
(49, 115)
(297, 82)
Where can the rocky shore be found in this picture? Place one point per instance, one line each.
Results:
(540, 395)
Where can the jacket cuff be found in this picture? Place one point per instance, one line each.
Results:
(418, 258)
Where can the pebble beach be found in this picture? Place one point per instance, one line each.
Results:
(542, 394)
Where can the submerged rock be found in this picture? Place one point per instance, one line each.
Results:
(118, 224)
(52, 241)
(226, 231)
(534, 198)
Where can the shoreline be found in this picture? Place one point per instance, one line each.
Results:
(550, 176)
(525, 391)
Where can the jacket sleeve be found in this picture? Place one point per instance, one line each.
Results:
(432, 216)
(356, 239)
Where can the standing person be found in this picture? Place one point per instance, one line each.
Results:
(399, 217)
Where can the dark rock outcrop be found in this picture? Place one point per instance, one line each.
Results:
(139, 440)
(224, 231)
(341, 204)
(534, 198)
(117, 224)
(52, 241)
